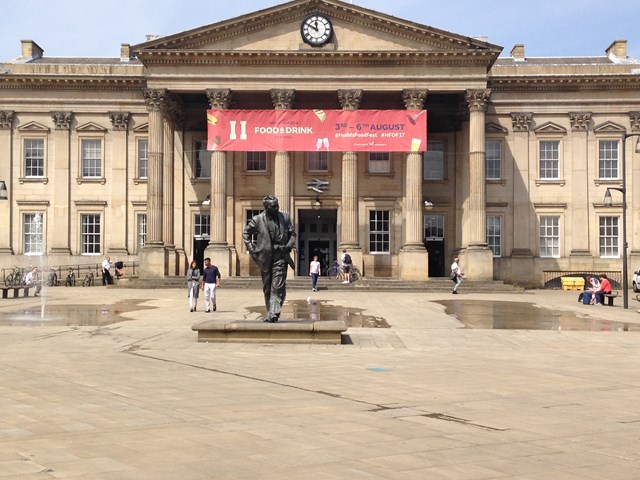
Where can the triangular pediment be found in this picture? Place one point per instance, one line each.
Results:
(493, 127)
(144, 128)
(91, 127)
(550, 127)
(33, 127)
(609, 127)
(277, 29)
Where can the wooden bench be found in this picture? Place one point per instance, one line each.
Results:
(610, 297)
(16, 291)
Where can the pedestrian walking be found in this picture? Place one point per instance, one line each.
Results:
(456, 275)
(193, 285)
(210, 282)
(314, 273)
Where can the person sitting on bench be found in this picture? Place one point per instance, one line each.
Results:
(605, 288)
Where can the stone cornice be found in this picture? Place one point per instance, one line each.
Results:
(564, 83)
(48, 82)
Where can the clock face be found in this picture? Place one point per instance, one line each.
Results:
(316, 29)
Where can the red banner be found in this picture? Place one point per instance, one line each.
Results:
(317, 130)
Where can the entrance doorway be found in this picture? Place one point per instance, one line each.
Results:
(317, 235)
(200, 243)
(434, 242)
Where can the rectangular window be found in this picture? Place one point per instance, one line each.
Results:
(90, 234)
(203, 160)
(143, 158)
(33, 234)
(434, 227)
(34, 157)
(550, 236)
(141, 230)
(317, 161)
(256, 161)
(379, 231)
(201, 225)
(609, 237)
(434, 161)
(550, 159)
(91, 158)
(608, 159)
(493, 159)
(379, 162)
(494, 234)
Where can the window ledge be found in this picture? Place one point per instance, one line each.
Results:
(496, 181)
(442, 181)
(43, 180)
(100, 180)
(391, 174)
(264, 173)
(543, 181)
(139, 180)
(317, 173)
(607, 181)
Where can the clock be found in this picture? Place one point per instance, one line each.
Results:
(316, 29)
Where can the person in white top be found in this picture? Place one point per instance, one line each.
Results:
(106, 275)
(456, 274)
(314, 273)
(31, 280)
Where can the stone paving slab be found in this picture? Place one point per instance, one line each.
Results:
(142, 399)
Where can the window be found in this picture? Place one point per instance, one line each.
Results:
(141, 230)
(201, 226)
(91, 158)
(143, 158)
(90, 234)
(34, 157)
(550, 236)
(494, 234)
(608, 159)
(379, 231)
(433, 227)
(33, 234)
(256, 161)
(494, 159)
(550, 159)
(434, 161)
(609, 237)
(379, 162)
(203, 160)
(250, 214)
(317, 161)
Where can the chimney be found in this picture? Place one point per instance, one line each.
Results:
(517, 52)
(617, 49)
(31, 50)
(125, 52)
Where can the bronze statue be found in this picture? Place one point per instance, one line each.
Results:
(269, 237)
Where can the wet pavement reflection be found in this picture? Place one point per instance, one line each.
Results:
(483, 314)
(320, 310)
(71, 315)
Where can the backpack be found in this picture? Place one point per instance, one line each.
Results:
(347, 259)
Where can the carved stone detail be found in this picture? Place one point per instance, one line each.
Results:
(155, 98)
(521, 121)
(580, 121)
(119, 120)
(414, 99)
(219, 98)
(62, 120)
(634, 117)
(350, 98)
(478, 99)
(175, 111)
(6, 118)
(282, 98)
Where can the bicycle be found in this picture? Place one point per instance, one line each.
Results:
(337, 272)
(52, 278)
(14, 279)
(89, 279)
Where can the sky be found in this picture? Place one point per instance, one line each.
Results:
(96, 28)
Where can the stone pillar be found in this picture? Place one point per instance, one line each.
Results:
(349, 226)
(173, 118)
(118, 208)
(579, 184)
(218, 249)
(6, 167)
(152, 259)
(633, 212)
(59, 224)
(282, 100)
(478, 258)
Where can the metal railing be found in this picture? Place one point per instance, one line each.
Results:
(61, 271)
(553, 278)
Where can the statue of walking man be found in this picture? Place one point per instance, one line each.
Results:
(269, 237)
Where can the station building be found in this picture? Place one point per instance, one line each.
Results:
(107, 156)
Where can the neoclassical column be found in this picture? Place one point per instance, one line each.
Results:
(218, 249)
(283, 100)
(633, 212)
(478, 257)
(6, 134)
(349, 100)
(172, 122)
(580, 245)
(522, 239)
(59, 231)
(153, 259)
(118, 218)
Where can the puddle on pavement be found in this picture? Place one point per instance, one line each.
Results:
(319, 310)
(482, 314)
(71, 315)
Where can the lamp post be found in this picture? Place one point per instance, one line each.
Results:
(607, 202)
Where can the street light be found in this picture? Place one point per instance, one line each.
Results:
(317, 204)
(607, 202)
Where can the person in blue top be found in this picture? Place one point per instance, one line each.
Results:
(210, 282)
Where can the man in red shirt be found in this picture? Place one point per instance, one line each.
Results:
(605, 287)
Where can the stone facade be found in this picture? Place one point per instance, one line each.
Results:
(111, 152)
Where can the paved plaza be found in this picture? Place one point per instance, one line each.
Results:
(425, 399)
